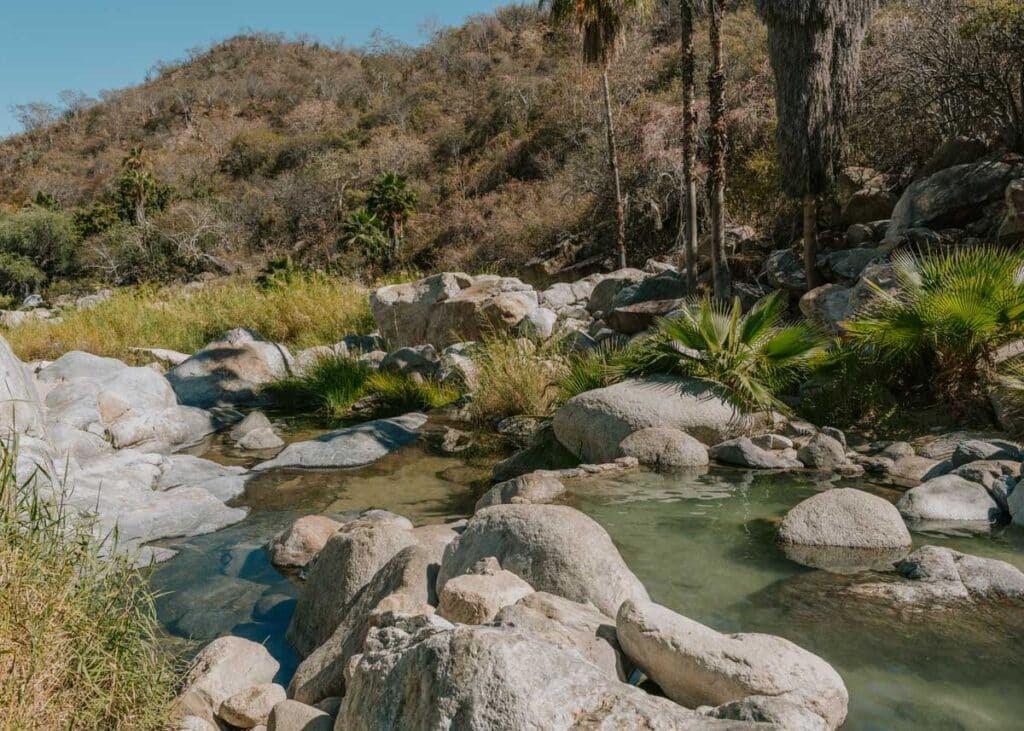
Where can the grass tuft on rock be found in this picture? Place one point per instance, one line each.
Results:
(299, 311)
(79, 643)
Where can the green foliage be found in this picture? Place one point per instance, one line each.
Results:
(364, 232)
(279, 273)
(751, 357)
(45, 200)
(250, 151)
(599, 22)
(514, 377)
(44, 239)
(334, 384)
(392, 201)
(19, 275)
(137, 191)
(847, 389)
(94, 218)
(592, 369)
(944, 323)
(79, 635)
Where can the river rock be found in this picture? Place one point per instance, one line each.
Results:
(603, 294)
(450, 307)
(999, 477)
(952, 197)
(226, 666)
(476, 597)
(534, 487)
(823, 452)
(742, 452)
(403, 586)
(554, 548)
(785, 270)
(299, 543)
(593, 424)
(348, 560)
(225, 482)
(251, 707)
(291, 715)
(634, 318)
(260, 440)
(973, 450)
(696, 666)
(570, 624)
(828, 304)
(664, 448)
(485, 678)
(254, 421)
(949, 499)
(230, 370)
(353, 446)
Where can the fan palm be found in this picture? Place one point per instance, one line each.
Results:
(393, 202)
(601, 24)
(364, 232)
(750, 357)
(949, 315)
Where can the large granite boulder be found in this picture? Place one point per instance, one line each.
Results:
(493, 679)
(605, 289)
(953, 197)
(593, 424)
(844, 528)
(233, 370)
(664, 448)
(696, 666)
(226, 666)
(353, 446)
(348, 560)
(533, 487)
(949, 499)
(450, 308)
(554, 548)
(829, 305)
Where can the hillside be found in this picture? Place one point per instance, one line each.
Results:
(261, 147)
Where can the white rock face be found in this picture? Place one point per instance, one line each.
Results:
(949, 498)
(299, 543)
(450, 307)
(475, 598)
(351, 447)
(696, 666)
(554, 548)
(403, 586)
(226, 666)
(231, 370)
(485, 678)
(251, 707)
(593, 424)
(348, 561)
(569, 624)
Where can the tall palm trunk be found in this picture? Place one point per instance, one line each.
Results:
(613, 164)
(716, 102)
(688, 64)
(811, 240)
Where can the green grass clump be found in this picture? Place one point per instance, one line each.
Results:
(79, 644)
(515, 377)
(334, 384)
(299, 311)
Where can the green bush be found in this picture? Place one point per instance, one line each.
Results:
(250, 152)
(46, 238)
(79, 636)
(752, 358)
(592, 369)
(18, 275)
(942, 327)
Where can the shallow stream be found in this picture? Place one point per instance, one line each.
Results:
(703, 545)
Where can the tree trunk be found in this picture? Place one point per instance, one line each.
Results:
(688, 64)
(811, 240)
(716, 103)
(613, 164)
(140, 209)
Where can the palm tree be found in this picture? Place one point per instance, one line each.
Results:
(135, 183)
(687, 11)
(392, 201)
(364, 232)
(749, 357)
(815, 54)
(722, 282)
(601, 24)
(946, 320)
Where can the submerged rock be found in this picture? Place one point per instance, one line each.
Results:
(534, 487)
(552, 547)
(696, 666)
(354, 446)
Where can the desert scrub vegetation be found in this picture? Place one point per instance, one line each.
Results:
(299, 310)
(334, 385)
(79, 639)
(515, 377)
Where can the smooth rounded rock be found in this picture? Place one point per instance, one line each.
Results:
(251, 707)
(664, 448)
(296, 545)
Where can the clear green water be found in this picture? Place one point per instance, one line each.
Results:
(703, 545)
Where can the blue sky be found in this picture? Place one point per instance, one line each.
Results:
(47, 46)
